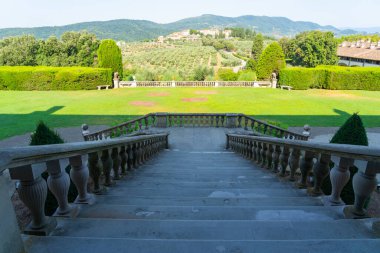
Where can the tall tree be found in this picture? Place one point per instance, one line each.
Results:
(109, 56)
(258, 46)
(271, 60)
(19, 51)
(310, 49)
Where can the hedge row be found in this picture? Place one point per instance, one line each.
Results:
(53, 78)
(332, 78)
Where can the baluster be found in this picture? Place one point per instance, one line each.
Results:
(95, 167)
(146, 123)
(284, 160)
(321, 170)
(222, 120)
(135, 155)
(258, 152)
(306, 165)
(249, 150)
(79, 175)
(123, 160)
(268, 156)
(107, 165)
(153, 120)
(239, 121)
(116, 161)
(140, 152)
(59, 183)
(254, 147)
(275, 158)
(339, 177)
(32, 191)
(294, 161)
(364, 183)
(140, 125)
(170, 121)
(263, 153)
(246, 124)
(217, 121)
(265, 129)
(129, 158)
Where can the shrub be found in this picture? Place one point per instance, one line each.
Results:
(247, 75)
(332, 78)
(271, 60)
(227, 75)
(109, 56)
(53, 78)
(45, 136)
(352, 132)
(201, 73)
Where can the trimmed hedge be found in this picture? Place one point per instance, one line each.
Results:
(332, 78)
(53, 78)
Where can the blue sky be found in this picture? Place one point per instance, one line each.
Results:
(340, 13)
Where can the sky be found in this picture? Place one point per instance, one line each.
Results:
(339, 13)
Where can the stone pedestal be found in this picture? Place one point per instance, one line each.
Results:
(9, 233)
(173, 83)
(274, 83)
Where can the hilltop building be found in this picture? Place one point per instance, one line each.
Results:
(360, 53)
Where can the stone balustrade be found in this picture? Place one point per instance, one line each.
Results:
(110, 158)
(253, 84)
(169, 120)
(282, 156)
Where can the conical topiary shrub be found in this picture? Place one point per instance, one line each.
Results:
(353, 133)
(45, 136)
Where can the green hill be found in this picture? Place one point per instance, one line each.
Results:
(135, 30)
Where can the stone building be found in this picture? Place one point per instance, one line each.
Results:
(360, 53)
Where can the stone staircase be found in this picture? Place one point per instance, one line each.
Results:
(202, 198)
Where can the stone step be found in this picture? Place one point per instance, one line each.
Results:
(266, 213)
(214, 230)
(201, 185)
(101, 245)
(191, 201)
(259, 192)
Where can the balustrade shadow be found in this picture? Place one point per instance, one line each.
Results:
(17, 124)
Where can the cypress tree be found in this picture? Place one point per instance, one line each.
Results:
(271, 60)
(258, 46)
(352, 132)
(109, 56)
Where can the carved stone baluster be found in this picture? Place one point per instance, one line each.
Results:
(33, 191)
(107, 165)
(339, 177)
(268, 156)
(294, 161)
(239, 121)
(284, 160)
(59, 183)
(364, 183)
(140, 125)
(258, 152)
(130, 158)
(153, 120)
(275, 158)
(321, 170)
(222, 120)
(146, 120)
(95, 167)
(79, 175)
(135, 155)
(141, 153)
(123, 160)
(249, 149)
(306, 165)
(263, 154)
(254, 146)
(116, 161)
(217, 121)
(246, 124)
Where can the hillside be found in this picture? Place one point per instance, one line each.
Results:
(135, 30)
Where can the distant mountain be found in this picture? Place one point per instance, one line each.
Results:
(135, 30)
(365, 29)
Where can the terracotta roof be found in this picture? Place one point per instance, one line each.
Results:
(360, 53)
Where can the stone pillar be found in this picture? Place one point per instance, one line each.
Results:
(79, 175)
(173, 84)
(59, 183)
(33, 192)
(231, 120)
(339, 177)
(9, 233)
(161, 120)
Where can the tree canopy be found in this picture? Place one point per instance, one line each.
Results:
(109, 56)
(271, 60)
(310, 49)
(258, 46)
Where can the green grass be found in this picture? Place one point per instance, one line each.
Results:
(20, 111)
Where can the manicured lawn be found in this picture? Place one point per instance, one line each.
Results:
(20, 111)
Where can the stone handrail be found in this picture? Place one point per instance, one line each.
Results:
(196, 84)
(165, 120)
(279, 154)
(96, 158)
